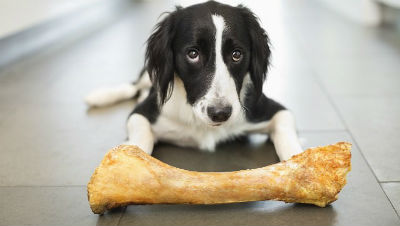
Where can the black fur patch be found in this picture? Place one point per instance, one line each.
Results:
(260, 108)
(149, 108)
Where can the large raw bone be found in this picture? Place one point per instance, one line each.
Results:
(127, 175)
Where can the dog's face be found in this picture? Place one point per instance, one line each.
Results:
(211, 47)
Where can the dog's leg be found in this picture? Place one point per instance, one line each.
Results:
(282, 131)
(140, 133)
(107, 96)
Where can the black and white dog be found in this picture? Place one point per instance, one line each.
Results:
(202, 83)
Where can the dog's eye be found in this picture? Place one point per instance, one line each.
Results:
(193, 55)
(236, 55)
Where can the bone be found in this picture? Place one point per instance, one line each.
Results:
(127, 175)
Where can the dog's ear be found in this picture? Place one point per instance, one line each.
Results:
(160, 56)
(260, 51)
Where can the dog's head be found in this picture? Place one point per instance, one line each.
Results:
(212, 48)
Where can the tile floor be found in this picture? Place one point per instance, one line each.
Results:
(340, 79)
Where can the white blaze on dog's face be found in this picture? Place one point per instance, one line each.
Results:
(221, 102)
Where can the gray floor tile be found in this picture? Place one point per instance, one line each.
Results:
(353, 207)
(375, 124)
(50, 206)
(392, 190)
(51, 128)
(67, 75)
(298, 90)
(290, 78)
(58, 145)
(368, 76)
(336, 35)
(251, 152)
(22, 83)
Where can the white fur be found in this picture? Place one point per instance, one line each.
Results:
(223, 87)
(283, 133)
(107, 96)
(140, 133)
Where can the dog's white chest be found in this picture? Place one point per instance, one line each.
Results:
(192, 134)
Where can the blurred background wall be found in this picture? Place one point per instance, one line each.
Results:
(17, 15)
(27, 26)
(30, 25)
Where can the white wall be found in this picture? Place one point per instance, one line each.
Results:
(366, 12)
(16, 15)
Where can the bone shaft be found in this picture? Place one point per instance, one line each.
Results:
(204, 188)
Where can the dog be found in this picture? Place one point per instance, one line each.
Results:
(205, 66)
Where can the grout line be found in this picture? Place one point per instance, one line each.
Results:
(395, 210)
(122, 214)
(389, 181)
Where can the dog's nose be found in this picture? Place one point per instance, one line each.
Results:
(219, 113)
